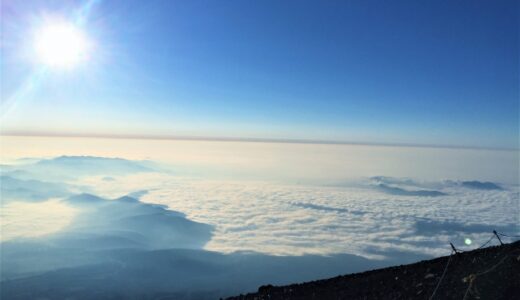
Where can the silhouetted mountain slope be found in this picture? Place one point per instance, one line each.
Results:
(489, 273)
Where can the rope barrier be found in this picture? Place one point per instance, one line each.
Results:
(493, 267)
(480, 247)
(483, 245)
(495, 235)
(472, 277)
(498, 237)
(511, 236)
(443, 273)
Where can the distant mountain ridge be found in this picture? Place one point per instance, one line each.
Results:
(65, 167)
(93, 163)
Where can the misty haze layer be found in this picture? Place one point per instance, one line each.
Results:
(98, 227)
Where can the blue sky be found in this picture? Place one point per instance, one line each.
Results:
(416, 72)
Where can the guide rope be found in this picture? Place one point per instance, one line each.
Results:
(443, 273)
(472, 277)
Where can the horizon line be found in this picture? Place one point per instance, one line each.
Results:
(243, 139)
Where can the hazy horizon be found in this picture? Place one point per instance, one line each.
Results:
(435, 163)
(241, 139)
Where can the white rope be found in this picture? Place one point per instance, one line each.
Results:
(442, 277)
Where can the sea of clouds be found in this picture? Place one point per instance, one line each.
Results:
(84, 227)
(361, 217)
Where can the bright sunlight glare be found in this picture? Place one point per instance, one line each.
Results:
(60, 45)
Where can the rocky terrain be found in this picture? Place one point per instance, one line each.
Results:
(488, 273)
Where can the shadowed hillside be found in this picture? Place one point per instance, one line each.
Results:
(489, 273)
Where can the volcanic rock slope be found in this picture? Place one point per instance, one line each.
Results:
(488, 273)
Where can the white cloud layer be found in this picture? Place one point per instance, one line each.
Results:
(213, 226)
(360, 219)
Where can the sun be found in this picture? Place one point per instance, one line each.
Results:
(60, 45)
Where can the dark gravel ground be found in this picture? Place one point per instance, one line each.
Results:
(488, 273)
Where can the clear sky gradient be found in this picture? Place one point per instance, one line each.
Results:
(416, 72)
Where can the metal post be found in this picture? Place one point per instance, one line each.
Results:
(498, 237)
(454, 249)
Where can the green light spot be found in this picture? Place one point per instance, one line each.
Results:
(467, 241)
